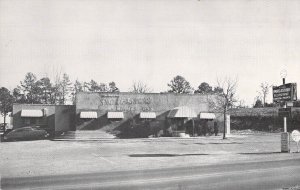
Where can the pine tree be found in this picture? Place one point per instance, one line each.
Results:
(64, 89)
(28, 88)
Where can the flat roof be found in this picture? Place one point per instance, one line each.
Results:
(151, 93)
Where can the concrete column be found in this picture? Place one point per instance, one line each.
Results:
(227, 124)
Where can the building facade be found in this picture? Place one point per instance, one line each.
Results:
(53, 118)
(143, 113)
(125, 114)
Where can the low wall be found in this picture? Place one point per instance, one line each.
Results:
(263, 119)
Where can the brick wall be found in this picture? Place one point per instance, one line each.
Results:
(131, 105)
(47, 122)
(64, 118)
(58, 117)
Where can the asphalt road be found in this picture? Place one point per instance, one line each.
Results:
(253, 175)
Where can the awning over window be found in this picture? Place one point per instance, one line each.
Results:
(115, 115)
(182, 112)
(147, 115)
(88, 115)
(32, 113)
(207, 116)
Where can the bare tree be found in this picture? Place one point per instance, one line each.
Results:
(264, 91)
(224, 100)
(140, 87)
(241, 104)
(86, 86)
(77, 87)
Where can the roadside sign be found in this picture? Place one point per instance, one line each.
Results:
(285, 92)
(295, 135)
(284, 112)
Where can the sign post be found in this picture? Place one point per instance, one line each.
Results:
(284, 112)
(282, 94)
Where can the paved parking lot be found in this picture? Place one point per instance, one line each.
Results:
(34, 158)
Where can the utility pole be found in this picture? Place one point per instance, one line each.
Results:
(284, 106)
(285, 140)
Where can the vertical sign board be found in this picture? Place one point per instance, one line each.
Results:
(284, 112)
(284, 93)
(285, 141)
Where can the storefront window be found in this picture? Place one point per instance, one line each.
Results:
(33, 121)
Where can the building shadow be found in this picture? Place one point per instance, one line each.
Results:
(91, 124)
(133, 127)
(259, 153)
(227, 143)
(136, 127)
(165, 155)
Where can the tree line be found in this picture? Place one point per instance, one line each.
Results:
(62, 90)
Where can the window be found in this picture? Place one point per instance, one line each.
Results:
(34, 121)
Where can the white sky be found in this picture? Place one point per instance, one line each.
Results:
(152, 41)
